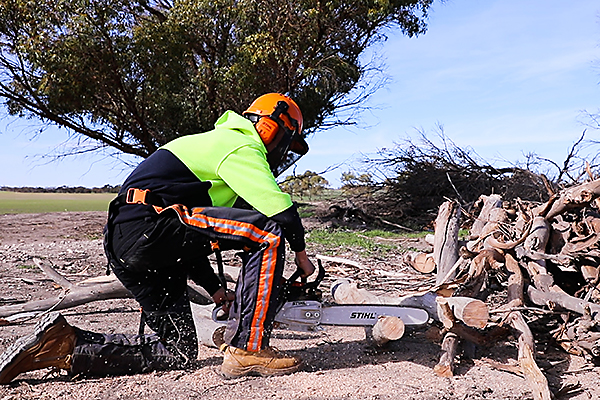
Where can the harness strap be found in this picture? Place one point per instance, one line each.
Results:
(217, 250)
(141, 328)
(141, 196)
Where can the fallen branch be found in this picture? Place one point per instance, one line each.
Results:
(86, 291)
(575, 197)
(533, 375)
(562, 299)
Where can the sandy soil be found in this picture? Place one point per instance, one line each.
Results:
(338, 362)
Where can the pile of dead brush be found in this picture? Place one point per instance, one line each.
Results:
(407, 183)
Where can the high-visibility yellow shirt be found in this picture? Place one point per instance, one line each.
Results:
(233, 158)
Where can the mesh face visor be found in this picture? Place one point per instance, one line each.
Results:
(289, 150)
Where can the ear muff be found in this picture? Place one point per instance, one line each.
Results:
(267, 129)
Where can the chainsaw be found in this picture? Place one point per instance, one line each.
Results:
(301, 308)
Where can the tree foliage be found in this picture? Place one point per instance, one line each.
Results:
(360, 185)
(133, 75)
(308, 184)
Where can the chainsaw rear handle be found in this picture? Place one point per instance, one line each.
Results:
(298, 274)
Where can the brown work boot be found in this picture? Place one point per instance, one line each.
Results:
(50, 345)
(267, 362)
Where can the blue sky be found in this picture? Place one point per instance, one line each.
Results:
(504, 77)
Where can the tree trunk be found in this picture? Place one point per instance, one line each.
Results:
(87, 291)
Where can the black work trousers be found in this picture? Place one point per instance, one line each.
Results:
(153, 258)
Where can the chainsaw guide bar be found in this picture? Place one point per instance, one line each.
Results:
(309, 315)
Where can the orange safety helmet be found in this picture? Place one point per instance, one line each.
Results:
(271, 113)
(265, 106)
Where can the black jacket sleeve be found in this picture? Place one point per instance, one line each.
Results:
(292, 227)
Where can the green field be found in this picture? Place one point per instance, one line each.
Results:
(16, 203)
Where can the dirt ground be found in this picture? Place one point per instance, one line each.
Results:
(339, 364)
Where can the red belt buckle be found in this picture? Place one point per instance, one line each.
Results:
(136, 196)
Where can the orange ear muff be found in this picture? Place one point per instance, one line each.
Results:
(267, 129)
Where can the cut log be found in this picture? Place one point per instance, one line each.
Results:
(449, 348)
(445, 367)
(472, 312)
(209, 332)
(386, 329)
(422, 262)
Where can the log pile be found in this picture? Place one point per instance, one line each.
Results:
(519, 260)
(540, 258)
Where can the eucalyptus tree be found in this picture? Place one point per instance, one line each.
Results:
(132, 75)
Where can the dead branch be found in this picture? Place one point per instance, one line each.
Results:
(445, 248)
(87, 291)
(575, 197)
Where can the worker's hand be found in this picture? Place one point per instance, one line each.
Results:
(303, 263)
(224, 298)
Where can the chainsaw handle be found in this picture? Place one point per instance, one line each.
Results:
(320, 275)
(315, 283)
(219, 316)
(297, 274)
